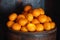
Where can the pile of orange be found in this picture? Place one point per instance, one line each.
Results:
(31, 20)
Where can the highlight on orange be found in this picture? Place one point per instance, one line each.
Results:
(12, 16)
(29, 17)
(31, 27)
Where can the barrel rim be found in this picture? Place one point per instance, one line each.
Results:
(43, 32)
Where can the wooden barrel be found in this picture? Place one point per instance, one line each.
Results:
(45, 35)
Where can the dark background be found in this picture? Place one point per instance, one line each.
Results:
(51, 8)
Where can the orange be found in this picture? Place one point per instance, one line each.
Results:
(41, 11)
(47, 26)
(20, 16)
(16, 26)
(36, 12)
(24, 29)
(10, 23)
(48, 19)
(27, 8)
(52, 25)
(13, 16)
(39, 27)
(35, 21)
(23, 22)
(31, 27)
(42, 18)
(29, 17)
